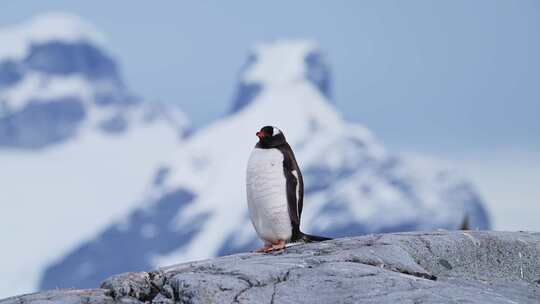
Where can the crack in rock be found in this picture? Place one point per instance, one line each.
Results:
(422, 275)
(241, 292)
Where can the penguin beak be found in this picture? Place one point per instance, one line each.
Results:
(260, 135)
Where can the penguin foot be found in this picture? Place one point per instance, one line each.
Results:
(269, 247)
(261, 250)
(280, 245)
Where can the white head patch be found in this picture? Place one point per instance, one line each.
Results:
(275, 131)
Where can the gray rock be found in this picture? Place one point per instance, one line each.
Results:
(139, 285)
(65, 296)
(430, 267)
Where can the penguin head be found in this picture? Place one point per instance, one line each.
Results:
(270, 137)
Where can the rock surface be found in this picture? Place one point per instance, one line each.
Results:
(421, 267)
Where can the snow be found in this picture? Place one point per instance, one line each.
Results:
(280, 62)
(77, 188)
(53, 26)
(38, 86)
(54, 198)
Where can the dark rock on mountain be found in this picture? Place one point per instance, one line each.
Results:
(42, 122)
(65, 58)
(10, 73)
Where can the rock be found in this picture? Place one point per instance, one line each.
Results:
(421, 267)
(65, 296)
(139, 285)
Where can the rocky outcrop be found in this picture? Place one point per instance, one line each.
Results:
(430, 267)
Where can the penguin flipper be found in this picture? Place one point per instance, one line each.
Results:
(295, 189)
(292, 201)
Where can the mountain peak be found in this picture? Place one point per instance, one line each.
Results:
(57, 79)
(282, 63)
(279, 62)
(53, 26)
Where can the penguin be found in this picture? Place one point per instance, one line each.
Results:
(275, 192)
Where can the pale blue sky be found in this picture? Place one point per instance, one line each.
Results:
(457, 79)
(436, 75)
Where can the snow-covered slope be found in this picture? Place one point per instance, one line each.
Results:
(196, 207)
(77, 150)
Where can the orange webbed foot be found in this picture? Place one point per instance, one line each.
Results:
(280, 245)
(267, 246)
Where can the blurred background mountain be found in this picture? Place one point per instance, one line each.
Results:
(108, 169)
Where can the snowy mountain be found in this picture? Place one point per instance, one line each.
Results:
(195, 206)
(77, 149)
(55, 79)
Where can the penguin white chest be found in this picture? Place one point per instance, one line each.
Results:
(267, 195)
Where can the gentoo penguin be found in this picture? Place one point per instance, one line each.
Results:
(275, 191)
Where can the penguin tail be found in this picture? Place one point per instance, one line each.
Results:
(308, 238)
(465, 224)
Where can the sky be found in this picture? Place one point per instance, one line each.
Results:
(456, 80)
